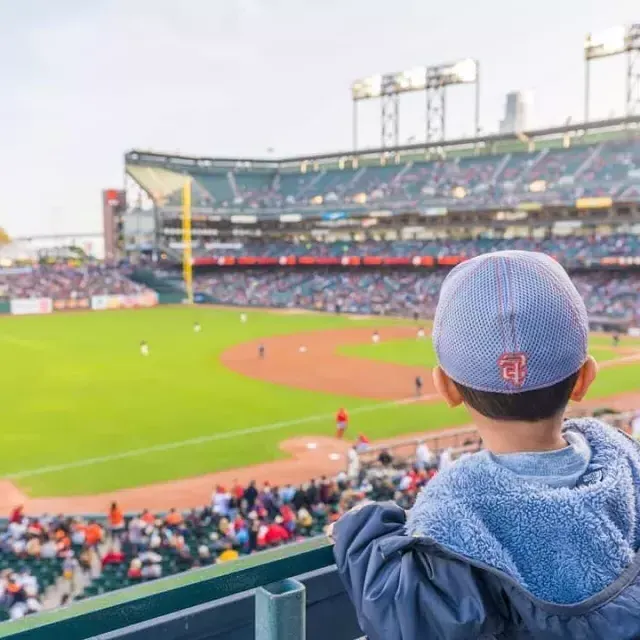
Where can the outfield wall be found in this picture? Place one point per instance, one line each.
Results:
(43, 306)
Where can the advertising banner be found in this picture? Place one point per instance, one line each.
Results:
(71, 304)
(99, 303)
(26, 306)
(102, 303)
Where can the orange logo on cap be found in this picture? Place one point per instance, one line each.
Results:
(513, 367)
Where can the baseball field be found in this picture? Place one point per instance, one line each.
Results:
(84, 412)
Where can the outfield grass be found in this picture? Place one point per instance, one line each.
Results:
(412, 352)
(76, 387)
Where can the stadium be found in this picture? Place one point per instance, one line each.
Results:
(197, 396)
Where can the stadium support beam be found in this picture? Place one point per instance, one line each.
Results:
(433, 80)
(436, 109)
(389, 114)
(633, 74)
(616, 41)
(187, 255)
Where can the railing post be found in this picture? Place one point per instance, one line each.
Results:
(281, 611)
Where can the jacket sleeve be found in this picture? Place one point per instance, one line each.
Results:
(401, 590)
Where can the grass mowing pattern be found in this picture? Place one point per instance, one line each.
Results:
(76, 387)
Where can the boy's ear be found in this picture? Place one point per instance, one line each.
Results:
(446, 388)
(586, 376)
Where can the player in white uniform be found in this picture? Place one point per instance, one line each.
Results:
(197, 328)
(420, 333)
(144, 348)
(635, 425)
(375, 338)
(243, 317)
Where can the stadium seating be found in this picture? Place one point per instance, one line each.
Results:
(570, 250)
(472, 179)
(63, 283)
(399, 292)
(218, 187)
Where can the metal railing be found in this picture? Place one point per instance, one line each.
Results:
(270, 572)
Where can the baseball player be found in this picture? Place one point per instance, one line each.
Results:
(342, 422)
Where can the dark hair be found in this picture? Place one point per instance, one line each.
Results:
(528, 406)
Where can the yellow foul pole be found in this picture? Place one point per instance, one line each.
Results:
(187, 261)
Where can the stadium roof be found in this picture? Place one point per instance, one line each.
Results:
(176, 160)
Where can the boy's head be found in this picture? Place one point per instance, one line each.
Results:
(511, 334)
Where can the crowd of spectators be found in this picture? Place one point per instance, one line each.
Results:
(64, 552)
(60, 281)
(614, 294)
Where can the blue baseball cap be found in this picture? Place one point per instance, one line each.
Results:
(509, 322)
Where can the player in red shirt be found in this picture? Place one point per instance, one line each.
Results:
(342, 422)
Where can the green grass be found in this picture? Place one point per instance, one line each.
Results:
(413, 353)
(76, 387)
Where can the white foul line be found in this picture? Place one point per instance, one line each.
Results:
(225, 435)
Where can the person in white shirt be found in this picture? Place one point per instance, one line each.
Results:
(353, 468)
(446, 460)
(220, 501)
(144, 348)
(424, 456)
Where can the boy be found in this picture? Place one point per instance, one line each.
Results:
(537, 535)
(144, 348)
(197, 328)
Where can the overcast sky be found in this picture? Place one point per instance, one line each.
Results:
(82, 81)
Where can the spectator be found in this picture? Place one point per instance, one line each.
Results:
(204, 555)
(353, 468)
(251, 495)
(385, 458)
(93, 534)
(135, 569)
(424, 456)
(17, 515)
(116, 521)
(174, 518)
(487, 576)
(220, 501)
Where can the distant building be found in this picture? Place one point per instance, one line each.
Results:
(516, 112)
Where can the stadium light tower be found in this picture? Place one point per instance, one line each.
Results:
(620, 40)
(432, 80)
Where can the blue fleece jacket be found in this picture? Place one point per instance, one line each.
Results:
(494, 555)
(563, 544)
